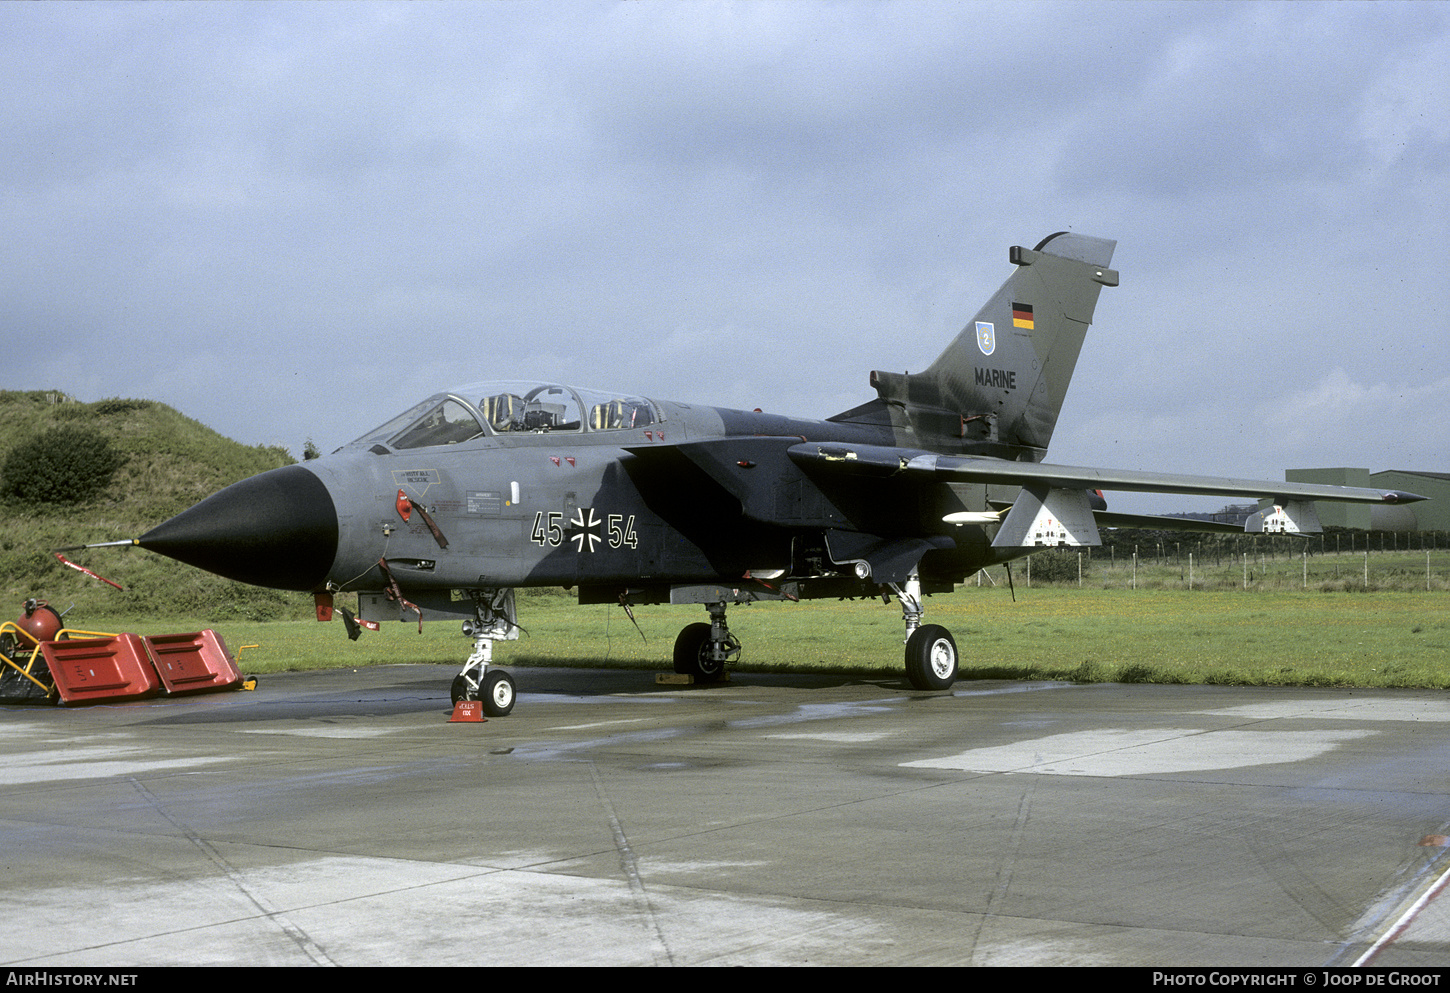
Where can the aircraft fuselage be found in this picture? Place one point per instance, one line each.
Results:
(479, 488)
(586, 509)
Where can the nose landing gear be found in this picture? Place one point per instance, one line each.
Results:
(494, 619)
(493, 687)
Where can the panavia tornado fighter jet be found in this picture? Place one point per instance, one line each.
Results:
(446, 509)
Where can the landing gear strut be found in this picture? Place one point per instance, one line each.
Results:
(702, 650)
(494, 619)
(931, 653)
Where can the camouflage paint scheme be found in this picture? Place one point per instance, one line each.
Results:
(492, 486)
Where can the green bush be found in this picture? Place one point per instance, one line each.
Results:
(1057, 566)
(119, 405)
(67, 464)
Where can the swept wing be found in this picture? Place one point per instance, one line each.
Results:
(877, 460)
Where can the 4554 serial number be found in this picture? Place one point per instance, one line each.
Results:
(585, 530)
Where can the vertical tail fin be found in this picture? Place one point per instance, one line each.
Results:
(1002, 381)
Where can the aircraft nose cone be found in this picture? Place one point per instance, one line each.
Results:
(277, 529)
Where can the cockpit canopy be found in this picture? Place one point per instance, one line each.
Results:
(482, 409)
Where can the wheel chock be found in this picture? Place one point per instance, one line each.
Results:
(468, 712)
(679, 679)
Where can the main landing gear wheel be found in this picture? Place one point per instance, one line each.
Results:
(931, 658)
(496, 692)
(693, 655)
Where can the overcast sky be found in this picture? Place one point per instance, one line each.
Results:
(292, 221)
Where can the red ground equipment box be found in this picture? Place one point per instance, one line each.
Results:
(42, 661)
(116, 668)
(193, 663)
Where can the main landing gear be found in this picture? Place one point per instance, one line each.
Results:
(494, 619)
(702, 650)
(931, 653)
(931, 658)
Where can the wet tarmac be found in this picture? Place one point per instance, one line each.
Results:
(338, 818)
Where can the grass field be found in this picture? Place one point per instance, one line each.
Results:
(1262, 636)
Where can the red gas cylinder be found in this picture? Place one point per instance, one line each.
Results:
(40, 620)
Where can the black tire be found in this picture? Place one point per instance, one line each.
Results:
(497, 693)
(931, 658)
(462, 690)
(692, 655)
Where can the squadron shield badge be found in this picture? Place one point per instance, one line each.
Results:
(986, 337)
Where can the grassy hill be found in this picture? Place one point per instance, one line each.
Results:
(170, 463)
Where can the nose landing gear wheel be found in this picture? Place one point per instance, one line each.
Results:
(496, 692)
